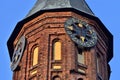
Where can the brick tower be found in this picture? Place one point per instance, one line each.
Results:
(60, 40)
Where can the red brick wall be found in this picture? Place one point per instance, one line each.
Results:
(41, 31)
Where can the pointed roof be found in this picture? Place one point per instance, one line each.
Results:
(80, 5)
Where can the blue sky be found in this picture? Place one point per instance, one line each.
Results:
(12, 11)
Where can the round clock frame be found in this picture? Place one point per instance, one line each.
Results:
(18, 52)
(81, 32)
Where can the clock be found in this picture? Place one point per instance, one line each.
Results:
(17, 54)
(81, 32)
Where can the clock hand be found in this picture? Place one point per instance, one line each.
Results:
(80, 25)
(82, 38)
(70, 27)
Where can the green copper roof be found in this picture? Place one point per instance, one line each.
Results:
(80, 5)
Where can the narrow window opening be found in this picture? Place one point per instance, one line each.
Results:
(35, 56)
(57, 50)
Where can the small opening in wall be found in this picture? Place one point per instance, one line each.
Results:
(56, 78)
(80, 78)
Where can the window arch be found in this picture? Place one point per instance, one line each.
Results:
(35, 56)
(56, 78)
(57, 50)
(80, 78)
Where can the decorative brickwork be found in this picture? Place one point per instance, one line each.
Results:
(42, 31)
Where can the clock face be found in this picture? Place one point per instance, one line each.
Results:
(17, 54)
(81, 33)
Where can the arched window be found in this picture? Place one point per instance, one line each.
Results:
(80, 79)
(80, 56)
(57, 50)
(56, 78)
(35, 56)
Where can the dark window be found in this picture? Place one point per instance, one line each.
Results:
(56, 78)
(80, 79)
